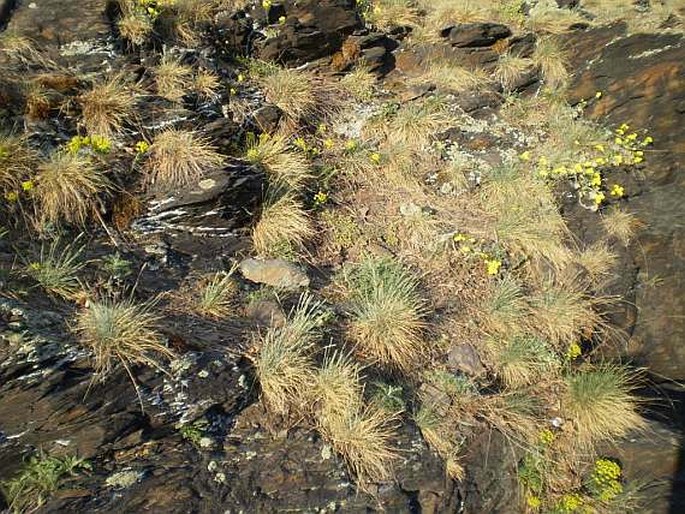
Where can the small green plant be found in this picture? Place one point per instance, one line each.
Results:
(56, 268)
(40, 477)
(389, 397)
(116, 266)
(195, 432)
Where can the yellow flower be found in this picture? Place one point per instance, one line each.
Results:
(266, 4)
(74, 144)
(233, 91)
(617, 159)
(599, 148)
(573, 352)
(241, 77)
(320, 198)
(375, 157)
(598, 95)
(328, 143)
(142, 147)
(27, 185)
(546, 436)
(631, 137)
(525, 156)
(599, 198)
(350, 145)
(596, 179)
(617, 191)
(647, 141)
(618, 140)
(465, 249)
(534, 502)
(11, 196)
(542, 161)
(100, 144)
(458, 238)
(493, 266)
(281, 20)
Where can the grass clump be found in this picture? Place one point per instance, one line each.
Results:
(17, 161)
(522, 360)
(359, 83)
(173, 79)
(504, 307)
(283, 358)
(510, 68)
(283, 225)
(67, 188)
(414, 124)
(122, 332)
(135, 27)
(213, 295)
(338, 385)
(281, 162)
(57, 267)
(299, 94)
(620, 224)
(108, 106)
(599, 403)
(387, 313)
(178, 158)
(363, 436)
(552, 61)
(40, 477)
(563, 313)
(387, 14)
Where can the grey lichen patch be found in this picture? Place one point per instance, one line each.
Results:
(124, 479)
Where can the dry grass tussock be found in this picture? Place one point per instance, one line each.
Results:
(173, 79)
(447, 75)
(387, 313)
(563, 313)
(178, 158)
(443, 13)
(56, 268)
(414, 124)
(386, 14)
(510, 68)
(212, 295)
(283, 226)
(551, 58)
(522, 360)
(67, 189)
(621, 224)
(282, 163)
(122, 331)
(134, 26)
(599, 261)
(503, 308)
(361, 434)
(299, 94)
(527, 219)
(438, 431)
(17, 162)
(283, 358)
(359, 83)
(548, 17)
(108, 105)
(599, 403)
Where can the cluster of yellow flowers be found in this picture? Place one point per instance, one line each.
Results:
(97, 144)
(604, 482)
(569, 503)
(470, 246)
(627, 149)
